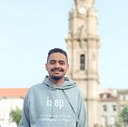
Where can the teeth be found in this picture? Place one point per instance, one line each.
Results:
(57, 70)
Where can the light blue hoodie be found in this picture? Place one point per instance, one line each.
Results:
(47, 105)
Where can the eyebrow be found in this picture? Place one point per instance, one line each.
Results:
(57, 60)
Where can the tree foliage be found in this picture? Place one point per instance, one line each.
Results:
(15, 115)
(124, 116)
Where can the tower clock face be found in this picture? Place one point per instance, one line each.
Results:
(82, 9)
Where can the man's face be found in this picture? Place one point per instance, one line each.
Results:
(57, 66)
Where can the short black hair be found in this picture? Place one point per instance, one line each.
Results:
(55, 50)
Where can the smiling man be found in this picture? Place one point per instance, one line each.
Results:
(57, 101)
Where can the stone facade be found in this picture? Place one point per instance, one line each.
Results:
(82, 47)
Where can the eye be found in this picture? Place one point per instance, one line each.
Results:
(61, 62)
(52, 62)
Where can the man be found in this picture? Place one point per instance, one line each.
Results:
(57, 101)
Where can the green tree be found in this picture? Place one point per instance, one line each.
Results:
(15, 115)
(124, 116)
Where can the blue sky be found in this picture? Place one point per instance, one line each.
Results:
(29, 28)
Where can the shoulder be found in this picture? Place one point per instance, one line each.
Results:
(35, 88)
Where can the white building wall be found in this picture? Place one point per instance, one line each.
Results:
(109, 116)
(6, 104)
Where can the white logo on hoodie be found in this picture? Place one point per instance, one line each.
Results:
(57, 103)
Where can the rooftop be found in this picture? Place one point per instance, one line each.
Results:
(13, 92)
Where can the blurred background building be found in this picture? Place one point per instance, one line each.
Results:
(112, 102)
(10, 98)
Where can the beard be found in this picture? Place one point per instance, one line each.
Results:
(56, 77)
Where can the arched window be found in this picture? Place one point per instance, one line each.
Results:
(82, 62)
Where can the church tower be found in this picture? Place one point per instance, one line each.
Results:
(82, 48)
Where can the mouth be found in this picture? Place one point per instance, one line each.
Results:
(56, 73)
(57, 70)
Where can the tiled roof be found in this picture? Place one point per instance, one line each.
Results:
(13, 92)
(107, 97)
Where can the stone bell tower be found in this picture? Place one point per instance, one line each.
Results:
(82, 48)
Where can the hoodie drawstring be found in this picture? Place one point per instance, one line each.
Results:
(71, 106)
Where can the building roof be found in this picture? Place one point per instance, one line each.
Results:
(105, 97)
(108, 99)
(13, 92)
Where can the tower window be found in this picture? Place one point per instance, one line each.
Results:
(82, 62)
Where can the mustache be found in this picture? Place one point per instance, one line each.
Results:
(57, 69)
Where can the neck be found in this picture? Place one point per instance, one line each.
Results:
(57, 82)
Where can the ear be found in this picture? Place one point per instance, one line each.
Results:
(46, 66)
(67, 66)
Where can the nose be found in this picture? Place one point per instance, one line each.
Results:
(57, 65)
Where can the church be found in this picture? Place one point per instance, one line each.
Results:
(82, 47)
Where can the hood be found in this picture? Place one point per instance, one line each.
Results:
(66, 85)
